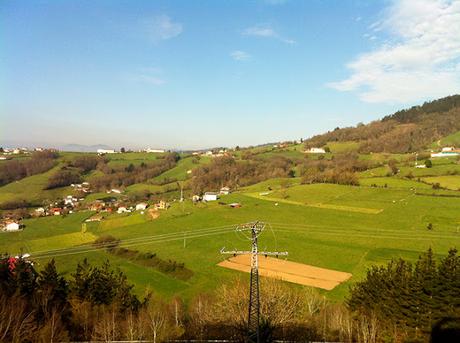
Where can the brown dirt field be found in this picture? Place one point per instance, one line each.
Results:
(153, 214)
(289, 271)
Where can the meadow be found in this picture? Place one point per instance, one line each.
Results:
(335, 237)
(345, 228)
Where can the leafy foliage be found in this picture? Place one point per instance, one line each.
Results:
(410, 298)
(39, 162)
(404, 131)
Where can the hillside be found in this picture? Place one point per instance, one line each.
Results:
(408, 130)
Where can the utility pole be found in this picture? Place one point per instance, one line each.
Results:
(256, 229)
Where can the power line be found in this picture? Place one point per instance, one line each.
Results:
(134, 241)
(255, 229)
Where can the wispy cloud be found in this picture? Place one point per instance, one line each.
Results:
(162, 27)
(239, 55)
(150, 76)
(265, 31)
(421, 60)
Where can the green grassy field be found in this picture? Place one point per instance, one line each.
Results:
(334, 235)
(340, 147)
(446, 181)
(453, 139)
(347, 228)
(32, 188)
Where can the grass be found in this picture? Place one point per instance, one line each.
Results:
(179, 172)
(453, 139)
(346, 228)
(32, 188)
(445, 181)
(333, 235)
(341, 147)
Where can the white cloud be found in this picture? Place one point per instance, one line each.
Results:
(239, 55)
(266, 31)
(422, 59)
(162, 28)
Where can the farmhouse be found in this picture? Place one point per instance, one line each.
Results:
(123, 209)
(12, 226)
(315, 151)
(210, 196)
(39, 211)
(161, 205)
(154, 150)
(105, 151)
(447, 152)
(225, 190)
(56, 211)
(141, 206)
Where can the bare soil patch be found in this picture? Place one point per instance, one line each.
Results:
(299, 273)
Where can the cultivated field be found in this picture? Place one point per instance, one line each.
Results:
(285, 270)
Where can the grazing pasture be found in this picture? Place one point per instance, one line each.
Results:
(324, 237)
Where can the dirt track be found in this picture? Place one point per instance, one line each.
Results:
(289, 271)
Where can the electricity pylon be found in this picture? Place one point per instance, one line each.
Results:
(256, 229)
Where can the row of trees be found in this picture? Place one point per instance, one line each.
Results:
(131, 174)
(340, 169)
(399, 302)
(39, 162)
(112, 177)
(226, 171)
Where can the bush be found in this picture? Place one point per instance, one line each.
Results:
(428, 163)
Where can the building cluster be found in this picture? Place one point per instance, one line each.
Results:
(315, 151)
(212, 153)
(6, 153)
(446, 152)
(211, 196)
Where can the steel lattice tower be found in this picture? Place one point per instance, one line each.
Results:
(256, 229)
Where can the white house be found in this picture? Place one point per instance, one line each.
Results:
(12, 226)
(40, 211)
(105, 151)
(446, 152)
(225, 190)
(448, 149)
(142, 206)
(155, 150)
(123, 209)
(315, 151)
(210, 196)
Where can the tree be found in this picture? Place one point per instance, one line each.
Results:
(409, 299)
(428, 163)
(122, 150)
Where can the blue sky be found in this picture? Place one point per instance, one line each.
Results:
(195, 74)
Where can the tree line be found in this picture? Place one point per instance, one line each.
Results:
(399, 302)
(405, 131)
(39, 162)
(113, 177)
